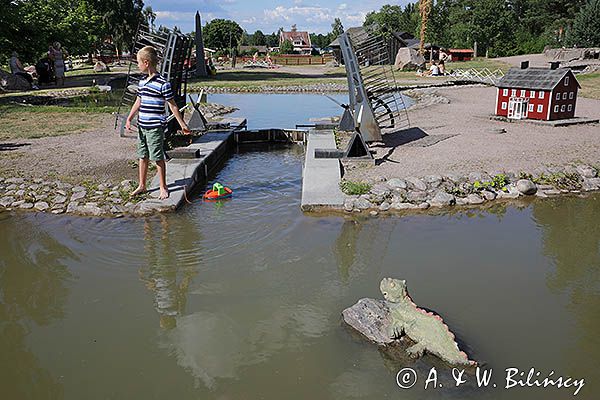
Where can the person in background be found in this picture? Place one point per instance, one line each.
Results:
(442, 67)
(57, 54)
(16, 68)
(434, 70)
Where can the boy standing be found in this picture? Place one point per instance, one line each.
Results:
(153, 92)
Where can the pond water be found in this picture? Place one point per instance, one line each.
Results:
(241, 299)
(283, 110)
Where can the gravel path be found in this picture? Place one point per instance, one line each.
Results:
(476, 146)
(99, 155)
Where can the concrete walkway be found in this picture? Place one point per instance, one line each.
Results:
(184, 174)
(321, 176)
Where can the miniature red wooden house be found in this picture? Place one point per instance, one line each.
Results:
(537, 93)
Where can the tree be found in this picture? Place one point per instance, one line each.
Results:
(222, 33)
(337, 28)
(121, 19)
(585, 32)
(149, 16)
(286, 47)
(273, 40)
(394, 19)
(493, 27)
(258, 39)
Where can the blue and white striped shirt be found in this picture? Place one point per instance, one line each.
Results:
(153, 93)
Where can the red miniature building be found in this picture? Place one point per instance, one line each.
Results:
(537, 93)
(461, 54)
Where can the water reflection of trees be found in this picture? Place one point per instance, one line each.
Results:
(167, 274)
(33, 291)
(571, 237)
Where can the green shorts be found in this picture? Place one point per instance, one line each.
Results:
(151, 143)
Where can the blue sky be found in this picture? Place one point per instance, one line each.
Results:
(268, 16)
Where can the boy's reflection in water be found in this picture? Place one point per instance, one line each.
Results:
(164, 275)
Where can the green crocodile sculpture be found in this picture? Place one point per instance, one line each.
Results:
(426, 329)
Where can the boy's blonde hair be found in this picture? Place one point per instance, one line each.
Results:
(149, 54)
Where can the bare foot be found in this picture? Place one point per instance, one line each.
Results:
(164, 193)
(139, 190)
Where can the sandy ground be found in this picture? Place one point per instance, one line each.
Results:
(535, 60)
(476, 148)
(100, 155)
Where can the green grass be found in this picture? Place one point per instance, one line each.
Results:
(478, 63)
(22, 122)
(590, 85)
(89, 70)
(354, 188)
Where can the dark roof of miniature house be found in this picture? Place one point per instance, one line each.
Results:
(534, 78)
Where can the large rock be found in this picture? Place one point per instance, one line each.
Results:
(396, 183)
(586, 171)
(370, 317)
(433, 181)
(10, 81)
(442, 199)
(362, 204)
(6, 201)
(416, 196)
(417, 183)
(404, 206)
(474, 199)
(41, 206)
(408, 59)
(526, 187)
(590, 184)
(380, 189)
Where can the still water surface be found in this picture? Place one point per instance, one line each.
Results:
(242, 299)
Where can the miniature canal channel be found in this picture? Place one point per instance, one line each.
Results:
(242, 298)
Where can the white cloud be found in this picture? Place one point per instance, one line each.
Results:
(311, 14)
(250, 20)
(175, 15)
(342, 6)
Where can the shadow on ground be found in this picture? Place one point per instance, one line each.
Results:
(12, 146)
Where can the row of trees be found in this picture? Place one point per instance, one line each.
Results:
(500, 27)
(223, 34)
(81, 26)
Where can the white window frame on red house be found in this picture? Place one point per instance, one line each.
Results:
(531, 108)
(513, 92)
(557, 96)
(532, 94)
(564, 95)
(567, 81)
(540, 108)
(541, 94)
(556, 108)
(570, 95)
(504, 92)
(562, 108)
(504, 105)
(523, 93)
(570, 108)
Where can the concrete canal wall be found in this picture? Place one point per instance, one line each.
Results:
(209, 152)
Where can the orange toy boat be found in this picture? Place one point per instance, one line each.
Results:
(218, 192)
